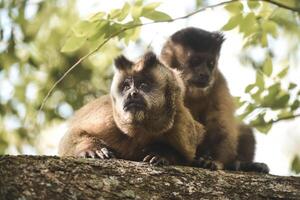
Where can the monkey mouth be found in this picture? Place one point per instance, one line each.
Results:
(134, 104)
(199, 83)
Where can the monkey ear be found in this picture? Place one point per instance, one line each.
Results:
(122, 63)
(150, 60)
(218, 37)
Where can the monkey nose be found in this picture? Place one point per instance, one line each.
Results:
(203, 78)
(134, 94)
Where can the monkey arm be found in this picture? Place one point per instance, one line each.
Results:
(186, 134)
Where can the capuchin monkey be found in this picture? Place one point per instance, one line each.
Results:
(144, 118)
(195, 52)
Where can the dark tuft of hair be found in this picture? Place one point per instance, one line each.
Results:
(150, 59)
(122, 63)
(199, 40)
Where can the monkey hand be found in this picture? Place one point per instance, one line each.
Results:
(208, 163)
(101, 152)
(155, 159)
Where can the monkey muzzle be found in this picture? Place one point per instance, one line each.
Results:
(134, 104)
(201, 81)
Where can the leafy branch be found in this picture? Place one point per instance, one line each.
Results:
(124, 29)
(118, 33)
(273, 121)
(281, 5)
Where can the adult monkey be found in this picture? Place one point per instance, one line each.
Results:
(195, 52)
(144, 118)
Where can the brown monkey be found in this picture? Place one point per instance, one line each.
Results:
(195, 52)
(144, 118)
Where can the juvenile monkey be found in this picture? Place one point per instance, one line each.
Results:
(195, 52)
(144, 118)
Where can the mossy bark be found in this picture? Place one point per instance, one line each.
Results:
(44, 177)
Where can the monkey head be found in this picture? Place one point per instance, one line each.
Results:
(143, 95)
(195, 53)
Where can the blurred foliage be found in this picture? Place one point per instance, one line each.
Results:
(41, 40)
(268, 99)
(296, 165)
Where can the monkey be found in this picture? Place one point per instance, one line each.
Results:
(143, 118)
(227, 144)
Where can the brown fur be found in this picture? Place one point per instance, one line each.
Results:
(246, 144)
(212, 105)
(101, 122)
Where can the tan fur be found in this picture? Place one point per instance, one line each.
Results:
(100, 122)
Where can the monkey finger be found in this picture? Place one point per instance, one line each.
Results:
(90, 154)
(147, 158)
(107, 153)
(82, 154)
(100, 154)
(154, 160)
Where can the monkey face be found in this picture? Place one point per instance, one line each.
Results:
(195, 53)
(138, 89)
(198, 70)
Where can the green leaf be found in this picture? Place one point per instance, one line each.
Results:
(232, 23)
(295, 105)
(248, 24)
(136, 11)
(292, 86)
(253, 4)
(151, 7)
(283, 72)
(264, 129)
(249, 88)
(73, 43)
(157, 16)
(115, 13)
(296, 165)
(264, 39)
(124, 12)
(268, 66)
(86, 28)
(97, 16)
(273, 91)
(270, 27)
(235, 7)
(259, 121)
(248, 110)
(260, 81)
(281, 102)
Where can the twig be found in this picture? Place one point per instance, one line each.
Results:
(281, 5)
(273, 121)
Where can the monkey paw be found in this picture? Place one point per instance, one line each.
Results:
(252, 167)
(102, 153)
(156, 160)
(208, 164)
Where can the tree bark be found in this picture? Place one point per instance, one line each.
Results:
(44, 177)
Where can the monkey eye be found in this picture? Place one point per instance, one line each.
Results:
(194, 62)
(125, 86)
(144, 86)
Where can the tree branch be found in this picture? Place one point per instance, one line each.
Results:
(42, 177)
(281, 5)
(273, 121)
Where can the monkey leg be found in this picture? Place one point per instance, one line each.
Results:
(246, 144)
